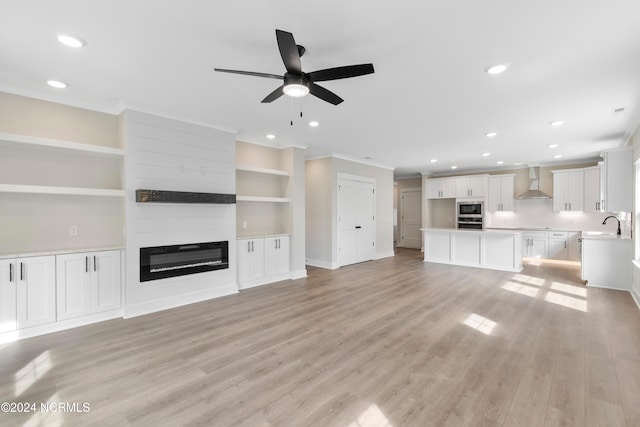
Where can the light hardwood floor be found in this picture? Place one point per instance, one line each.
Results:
(393, 342)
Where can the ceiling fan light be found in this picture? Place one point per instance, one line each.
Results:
(296, 90)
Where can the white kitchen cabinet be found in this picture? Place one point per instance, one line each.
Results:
(441, 188)
(263, 260)
(87, 283)
(617, 179)
(27, 289)
(568, 190)
(593, 189)
(8, 296)
(465, 249)
(574, 246)
(471, 186)
(534, 244)
(276, 256)
(607, 262)
(501, 193)
(558, 245)
(250, 260)
(437, 246)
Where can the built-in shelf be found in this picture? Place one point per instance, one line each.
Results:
(74, 191)
(262, 199)
(10, 139)
(262, 170)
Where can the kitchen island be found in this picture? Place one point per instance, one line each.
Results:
(493, 249)
(607, 260)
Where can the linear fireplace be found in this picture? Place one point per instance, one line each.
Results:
(160, 262)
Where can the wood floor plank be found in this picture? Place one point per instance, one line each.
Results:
(393, 342)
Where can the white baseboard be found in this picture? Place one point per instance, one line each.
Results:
(385, 255)
(299, 274)
(264, 281)
(613, 288)
(148, 307)
(322, 264)
(636, 297)
(59, 326)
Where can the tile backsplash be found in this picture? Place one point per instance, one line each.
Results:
(539, 213)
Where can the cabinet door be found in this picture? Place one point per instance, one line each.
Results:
(592, 190)
(558, 249)
(448, 188)
(36, 293)
(433, 189)
(575, 191)
(8, 283)
(105, 281)
(495, 194)
(560, 188)
(250, 260)
(73, 285)
(477, 187)
(462, 187)
(574, 246)
(538, 248)
(618, 179)
(506, 194)
(276, 256)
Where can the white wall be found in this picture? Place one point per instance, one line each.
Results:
(321, 208)
(635, 290)
(165, 154)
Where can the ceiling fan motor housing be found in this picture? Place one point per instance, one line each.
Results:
(296, 85)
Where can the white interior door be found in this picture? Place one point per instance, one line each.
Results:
(411, 218)
(356, 221)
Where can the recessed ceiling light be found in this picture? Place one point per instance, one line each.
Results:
(552, 146)
(499, 162)
(71, 40)
(497, 69)
(619, 110)
(490, 134)
(557, 123)
(271, 136)
(557, 156)
(433, 160)
(517, 164)
(486, 154)
(454, 167)
(56, 84)
(313, 123)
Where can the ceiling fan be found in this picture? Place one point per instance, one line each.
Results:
(297, 83)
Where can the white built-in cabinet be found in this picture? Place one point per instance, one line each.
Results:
(501, 193)
(558, 245)
(441, 188)
(617, 180)
(262, 260)
(534, 244)
(471, 186)
(568, 190)
(27, 292)
(593, 189)
(87, 283)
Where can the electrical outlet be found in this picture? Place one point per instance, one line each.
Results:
(73, 230)
(244, 224)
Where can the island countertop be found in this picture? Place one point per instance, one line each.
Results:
(470, 230)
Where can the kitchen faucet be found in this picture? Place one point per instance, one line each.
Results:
(616, 218)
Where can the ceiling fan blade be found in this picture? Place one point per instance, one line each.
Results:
(324, 94)
(249, 73)
(289, 52)
(340, 72)
(274, 95)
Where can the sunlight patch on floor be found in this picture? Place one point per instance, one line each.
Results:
(519, 288)
(47, 418)
(480, 323)
(529, 280)
(371, 417)
(566, 301)
(31, 373)
(580, 291)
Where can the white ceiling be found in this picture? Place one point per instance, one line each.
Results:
(572, 60)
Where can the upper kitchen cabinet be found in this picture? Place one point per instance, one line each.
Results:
(593, 189)
(471, 186)
(501, 193)
(568, 190)
(441, 188)
(617, 178)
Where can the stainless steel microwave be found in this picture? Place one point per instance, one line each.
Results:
(474, 209)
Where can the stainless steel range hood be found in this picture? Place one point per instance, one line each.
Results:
(534, 186)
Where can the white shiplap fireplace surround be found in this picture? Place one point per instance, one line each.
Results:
(166, 154)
